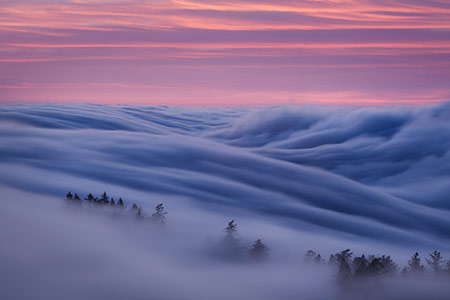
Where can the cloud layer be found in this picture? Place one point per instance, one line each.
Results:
(375, 173)
(371, 179)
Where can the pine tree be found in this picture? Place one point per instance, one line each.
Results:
(89, 197)
(112, 203)
(414, 266)
(435, 262)
(76, 197)
(69, 196)
(104, 199)
(159, 214)
(139, 214)
(231, 227)
(318, 259)
(229, 248)
(360, 264)
(258, 251)
(120, 203)
(389, 266)
(310, 255)
(134, 207)
(342, 260)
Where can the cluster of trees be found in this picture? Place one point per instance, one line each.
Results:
(348, 266)
(230, 248)
(356, 267)
(158, 216)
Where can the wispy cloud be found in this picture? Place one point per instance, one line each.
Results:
(53, 38)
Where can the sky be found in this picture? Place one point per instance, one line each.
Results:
(225, 53)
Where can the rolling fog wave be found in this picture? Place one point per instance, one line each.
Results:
(379, 174)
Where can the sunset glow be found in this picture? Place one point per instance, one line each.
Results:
(207, 52)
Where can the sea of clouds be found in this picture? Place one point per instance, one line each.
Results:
(374, 179)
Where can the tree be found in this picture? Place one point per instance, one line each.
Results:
(104, 199)
(342, 260)
(159, 215)
(389, 266)
(76, 197)
(231, 227)
(318, 259)
(89, 197)
(112, 203)
(69, 196)
(134, 207)
(414, 266)
(258, 251)
(435, 262)
(360, 264)
(139, 214)
(375, 267)
(120, 203)
(229, 247)
(310, 255)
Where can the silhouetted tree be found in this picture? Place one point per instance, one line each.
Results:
(258, 251)
(69, 196)
(120, 202)
(89, 197)
(76, 197)
(342, 259)
(414, 266)
(112, 203)
(134, 207)
(310, 255)
(389, 266)
(318, 259)
(104, 199)
(159, 215)
(139, 214)
(435, 262)
(375, 266)
(360, 264)
(229, 248)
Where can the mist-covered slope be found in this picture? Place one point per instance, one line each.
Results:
(373, 174)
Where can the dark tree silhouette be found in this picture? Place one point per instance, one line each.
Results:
(76, 197)
(104, 199)
(343, 262)
(229, 248)
(159, 215)
(310, 255)
(435, 262)
(112, 203)
(258, 251)
(318, 259)
(231, 227)
(360, 265)
(134, 207)
(89, 197)
(139, 214)
(120, 202)
(69, 196)
(414, 266)
(389, 266)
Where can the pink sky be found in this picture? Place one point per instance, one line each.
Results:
(208, 52)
